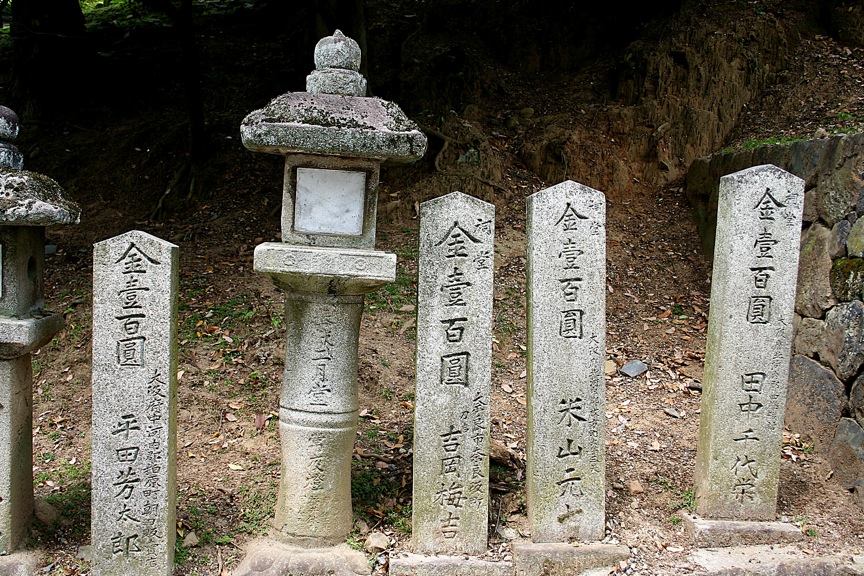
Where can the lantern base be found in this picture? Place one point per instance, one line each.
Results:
(267, 557)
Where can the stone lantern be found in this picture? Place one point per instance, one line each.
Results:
(28, 203)
(334, 140)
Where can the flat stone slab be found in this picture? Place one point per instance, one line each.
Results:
(634, 368)
(19, 564)
(723, 533)
(324, 270)
(770, 561)
(19, 336)
(419, 565)
(267, 557)
(559, 559)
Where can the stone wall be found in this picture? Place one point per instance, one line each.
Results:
(826, 380)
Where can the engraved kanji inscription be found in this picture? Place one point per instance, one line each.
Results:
(761, 275)
(569, 254)
(750, 406)
(571, 450)
(570, 288)
(764, 244)
(759, 310)
(129, 454)
(745, 466)
(570, 485)
(454, 240)
(571, 411)
(127, 423)
(454, 369)
(123, 544)
(454, 329)
(569, 220)
(752, 381)
(452, 496)
(454, 288)
(570, 325)
(130, 352)
(450, 525)
(768, 205)
(747, 436)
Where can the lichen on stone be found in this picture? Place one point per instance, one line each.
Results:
(32, 199)
(847, 279)
(336, 125)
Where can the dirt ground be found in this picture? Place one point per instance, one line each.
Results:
(231, 341)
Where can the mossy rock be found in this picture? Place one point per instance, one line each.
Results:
(847, 279)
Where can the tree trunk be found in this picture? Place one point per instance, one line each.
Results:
(48, 50)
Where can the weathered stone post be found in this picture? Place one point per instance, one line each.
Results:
(566, 320)
(135, 279)
(334, 140)
(747, 358)
(454, 373)
(28, 203)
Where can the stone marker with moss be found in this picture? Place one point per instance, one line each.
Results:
(566, 479)
(749, 345)
(454, 372)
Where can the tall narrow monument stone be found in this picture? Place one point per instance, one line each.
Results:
(566, 316)
(454, 371)
(30, 203)
(749, 344)
(135, 278)
(566, 269)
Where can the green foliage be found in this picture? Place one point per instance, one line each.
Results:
(257, 509)
(181, 553)
(752, 144)
(73, 504)
(687, 501)
(400, 518)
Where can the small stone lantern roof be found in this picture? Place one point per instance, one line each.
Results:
(28, 198)
(334, 118)
(31, 199)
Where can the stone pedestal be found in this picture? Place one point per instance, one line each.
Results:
(723, 533)
(559, 559)
(271, 558)
(422, 565)
(318, 408)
